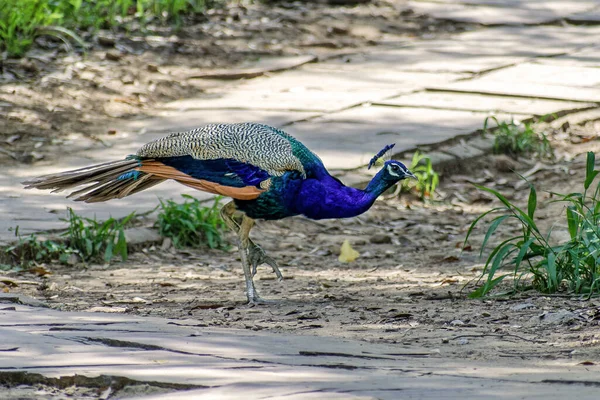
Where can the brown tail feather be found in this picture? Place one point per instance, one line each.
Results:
(101, 180)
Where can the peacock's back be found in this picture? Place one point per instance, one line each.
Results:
(260, 145)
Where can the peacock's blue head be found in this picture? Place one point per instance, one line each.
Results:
(394, 171)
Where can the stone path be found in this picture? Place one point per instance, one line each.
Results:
(345, 108)
(156, 355)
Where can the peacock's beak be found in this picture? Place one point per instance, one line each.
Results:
(411, 175)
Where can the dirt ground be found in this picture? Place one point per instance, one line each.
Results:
(409, 285)
(51, 98)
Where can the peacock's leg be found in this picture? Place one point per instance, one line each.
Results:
(244, 242)
(256, 254)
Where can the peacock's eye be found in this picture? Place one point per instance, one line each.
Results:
(395, 167)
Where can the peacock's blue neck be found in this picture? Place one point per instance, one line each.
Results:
(377, 186)
(326, 197)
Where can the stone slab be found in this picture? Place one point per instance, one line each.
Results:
(434, 58)
(228, 363)
(505, 13)
(587, 17)
(463, 151)
(488, 85)
(588, 57)
(519, 40)
(351, 137)
(477, 102)
(257, 68)
(549, 74)
(313, 88)
(476, 51)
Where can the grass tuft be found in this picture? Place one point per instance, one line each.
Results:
(573, 265)
(85, 238)
(21, 21)
(427, 178)
(190, 224)
(517, 138)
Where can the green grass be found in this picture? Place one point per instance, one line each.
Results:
(21, 21)
(190, 224)
(516, 138)
(86, 238)
(427, 178)
(93, 240)
(572, 266)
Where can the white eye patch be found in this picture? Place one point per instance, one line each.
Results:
(392, 172)
(397, 172)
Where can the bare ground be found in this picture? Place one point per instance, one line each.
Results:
(409, 286)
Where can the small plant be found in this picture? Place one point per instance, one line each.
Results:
(574, 265)
(21, 21)
(190, 224)
(29, 250)
(86, 238)
(93, 240)
(427, 178)
(516, 138)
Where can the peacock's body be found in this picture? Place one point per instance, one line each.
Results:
(267, 173)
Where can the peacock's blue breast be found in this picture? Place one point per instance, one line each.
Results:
(278, 201)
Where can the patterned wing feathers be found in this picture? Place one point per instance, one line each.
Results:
(162, 171)
(250, 143)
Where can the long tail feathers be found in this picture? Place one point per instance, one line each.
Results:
(112, 180)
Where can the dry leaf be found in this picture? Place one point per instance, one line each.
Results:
(9, 282)
(587, 363)
(40, 271)
(347, 253)
(449, 281)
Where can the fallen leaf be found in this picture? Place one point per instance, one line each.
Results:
(586, 363)
(451, 258)
(9, 282)
(40, 271)
(449, 281)
(347, 253)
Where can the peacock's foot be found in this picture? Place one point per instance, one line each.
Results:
(253, 297)
(257, 300)
(257, 256)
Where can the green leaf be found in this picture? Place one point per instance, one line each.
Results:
(590, 174)
(531, 202)
(108, 253)
(572, 221)
(474, 223)
(493, 226)
(522, 252)
(489, 285)
(121, 246)
(551, 271)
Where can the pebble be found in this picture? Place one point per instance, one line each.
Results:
(380, 238)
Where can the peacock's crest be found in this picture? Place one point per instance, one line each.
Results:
(380, 154)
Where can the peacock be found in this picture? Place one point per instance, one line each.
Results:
(269, 174)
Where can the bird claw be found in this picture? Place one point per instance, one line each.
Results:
(257, 256)
(257, 300)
